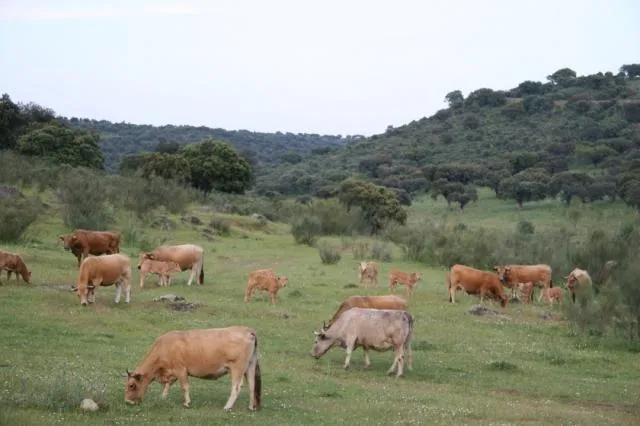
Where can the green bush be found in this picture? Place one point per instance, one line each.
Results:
(525, 227)
(82, 193)
(306, 229)
(329, 254)
(221, 226)
(16, 214)
(381, 251)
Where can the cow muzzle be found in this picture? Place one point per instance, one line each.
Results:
(130, 402)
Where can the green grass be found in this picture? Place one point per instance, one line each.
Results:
(466, 369)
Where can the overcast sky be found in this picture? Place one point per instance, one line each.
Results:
(329, 67)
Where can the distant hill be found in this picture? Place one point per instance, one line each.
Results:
(120, 139)
(569, 122)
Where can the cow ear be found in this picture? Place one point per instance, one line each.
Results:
(507, 269)
(61, 237)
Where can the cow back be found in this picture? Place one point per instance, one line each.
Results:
(185, 255)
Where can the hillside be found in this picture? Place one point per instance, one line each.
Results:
(120, 139)
(568, 123)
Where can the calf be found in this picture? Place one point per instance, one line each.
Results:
(553, 294)
(371, 302)
(265, 280)
(104, 270)
(408, 279)
(377, 329)
(160, 268)
(368, 271)
(475, 281)
(13, 263)
(206, 354)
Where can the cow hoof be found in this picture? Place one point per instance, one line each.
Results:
(186, 405)
(227, 409)
(346, 367)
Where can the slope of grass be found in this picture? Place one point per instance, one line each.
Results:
(467, 370)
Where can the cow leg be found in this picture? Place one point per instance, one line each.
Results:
(349, 349)
(237, 377)
(118, 291)
(398, 361)
(167, 385)
(142, 274)
(367, 361)
(184, 381)
(192, 275)
(452, 294)
(247, 294)
(127, 289)
(273, 298)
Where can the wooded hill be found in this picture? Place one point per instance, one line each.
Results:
(516, 141)
(120, 139)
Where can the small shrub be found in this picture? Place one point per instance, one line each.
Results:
(82, 193)
(306, 229)
(525, 227)
(360, 250)
(294, 293)
(350, 285)
(221, 226)
(329, 254)
(502, 366)
(15, 217)
(381, 251)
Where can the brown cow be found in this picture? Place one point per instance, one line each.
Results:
(526, 289)
(188, 256)
(265, 280)
(12, 262)
(377, 329)
(206, 354)
(82, 243)
(553, 294)
(368, 271)
(511, 275)
(370, 302)
(104, 270)
(579, 283)
(162, 269)
(475, 281)
(408, 279)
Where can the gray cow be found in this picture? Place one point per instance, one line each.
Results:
(377, 329)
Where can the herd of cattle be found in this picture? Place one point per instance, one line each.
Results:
(379, 323)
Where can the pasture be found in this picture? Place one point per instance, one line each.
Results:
(521, 369)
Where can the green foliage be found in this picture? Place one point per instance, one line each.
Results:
(455, 99)
(221, 226)
(143, 196)
(527, 185)
(329, 254)
(17, 212)
(378, 205)
(83, 197)
(569, 185)
(525, 227)
(62, 145)
(306, 229)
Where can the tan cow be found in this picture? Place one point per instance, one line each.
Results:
(370, 302)
(13, 263)
(526, 289)
(511, 275)
(188, 256)
(475, 281)
(408, 279)
(82, 243)
(206, 354)
(579, 283)
(368, 271)
(157, 267)
(377, 329)
(553, 294)
(265, 280)
(104, 270)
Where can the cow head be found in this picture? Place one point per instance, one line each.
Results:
(503, 272)
(144, 256)
(416, 276)
(86, 293)
(134, 387)
(282, 281)
(173, 267)
(322, 343)
(68, 241)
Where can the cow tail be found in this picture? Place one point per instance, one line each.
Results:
(201, 277)
(257, 389)
(448, 279)
(407, 342)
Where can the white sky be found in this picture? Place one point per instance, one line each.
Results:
(329, 67)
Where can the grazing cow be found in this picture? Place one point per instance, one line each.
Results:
(511, 275)
(265, 280)
(12, 262)
(206, 354)
(188, 256)
(578, 283)
(553, 294)
(370, 302)
(408, 279)
(104, 270)
(475, 281)
(377, 329)
(160, 268)
(82, 243)
(368, 271)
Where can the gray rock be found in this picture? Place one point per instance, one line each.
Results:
(89, 404)
(168, 298)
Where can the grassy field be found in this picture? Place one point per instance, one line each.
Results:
(518, 370)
